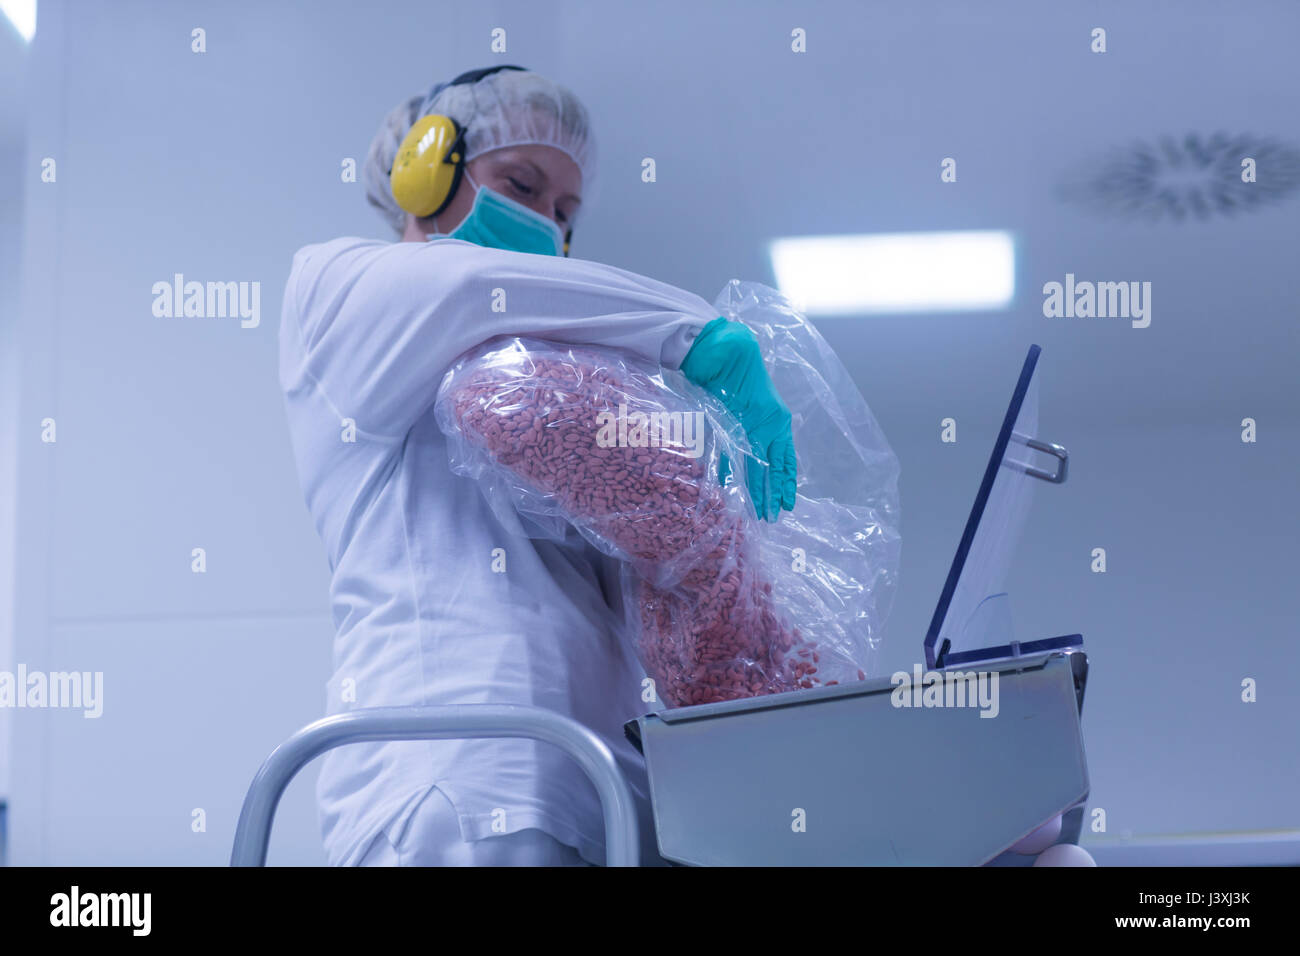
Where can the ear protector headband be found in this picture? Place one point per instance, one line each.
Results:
(431, 160)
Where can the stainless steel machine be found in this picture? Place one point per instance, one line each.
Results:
(839, 775)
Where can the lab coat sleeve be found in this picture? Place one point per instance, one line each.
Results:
(380, 323)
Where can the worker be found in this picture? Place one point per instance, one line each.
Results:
(436, 598)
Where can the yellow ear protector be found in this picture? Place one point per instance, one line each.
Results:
(427, 169)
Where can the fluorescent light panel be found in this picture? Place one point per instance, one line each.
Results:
(22, 14)
(897, 272)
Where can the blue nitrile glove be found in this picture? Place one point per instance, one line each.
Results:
(727, 362)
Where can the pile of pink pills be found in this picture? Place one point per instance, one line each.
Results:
(705, 624)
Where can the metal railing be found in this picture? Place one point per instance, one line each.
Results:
(461, 721)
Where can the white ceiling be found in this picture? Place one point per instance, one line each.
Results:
(753, 141)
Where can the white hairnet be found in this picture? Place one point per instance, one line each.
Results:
(509, 108)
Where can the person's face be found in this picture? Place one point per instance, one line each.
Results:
(542, 178)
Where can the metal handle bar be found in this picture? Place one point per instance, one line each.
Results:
(1047, 447)
(459, 721)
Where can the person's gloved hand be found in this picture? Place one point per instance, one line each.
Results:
(727, 362)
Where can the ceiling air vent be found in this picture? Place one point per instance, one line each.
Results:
(1193, 177)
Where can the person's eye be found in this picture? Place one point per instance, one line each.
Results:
(559, 214)
(519, 187)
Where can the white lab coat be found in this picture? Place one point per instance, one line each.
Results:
(368, 328)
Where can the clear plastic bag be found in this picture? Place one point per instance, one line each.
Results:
(719, 604)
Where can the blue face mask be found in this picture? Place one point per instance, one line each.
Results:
(498, 222)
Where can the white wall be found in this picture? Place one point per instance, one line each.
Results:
(13, 61)
(1197, 596)
(10, 231)
(170, 437)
